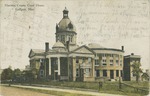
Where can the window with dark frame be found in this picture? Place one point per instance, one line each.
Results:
(105, 73)
(97, 73)
(77, 60)
(117, 73)
(96, 62)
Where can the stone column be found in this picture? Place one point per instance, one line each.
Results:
(58, 65)
(101, 73)
(74, 69)
(114, 74)
(108, 73)
(49, 66)
(93, 68)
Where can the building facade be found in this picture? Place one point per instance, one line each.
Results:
(128, 61)
(68, 61)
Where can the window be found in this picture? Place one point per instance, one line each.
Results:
(103, 55)
(41, 60)
(121, 72)
(83, 60)
(63, 38)
(96, 62)
(120, 56)
(77, 60)
(117, 73)
(71, 39)
(111, 55)
(120, 62)
(56, 62)
(117, 62)
(111, 62)
(41, 73)
(97, 73)
(77, 72)
(89, 60)
(87, 72)
(105, 73)
(57, 37)
(104, 62)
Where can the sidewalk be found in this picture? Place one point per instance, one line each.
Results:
(68, 90)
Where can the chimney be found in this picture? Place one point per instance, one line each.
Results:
(132, 53)
(46, 47)
(122, 47)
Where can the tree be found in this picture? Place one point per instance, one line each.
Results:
(16, 75)
(145, 76)
(136, 70)
(28, 75)
(34, 72)
(7, 74)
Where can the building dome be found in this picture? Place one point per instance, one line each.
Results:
(94, 45)
(58, 44)
(65, 24)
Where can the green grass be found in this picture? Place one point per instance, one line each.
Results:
(108, 87)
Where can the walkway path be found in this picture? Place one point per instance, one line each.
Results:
(68, 90)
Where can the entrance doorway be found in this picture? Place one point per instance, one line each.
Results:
(55, 75)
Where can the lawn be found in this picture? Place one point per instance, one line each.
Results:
(107, 87)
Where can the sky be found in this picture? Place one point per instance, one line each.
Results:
(28, 24)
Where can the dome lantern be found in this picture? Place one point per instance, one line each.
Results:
(65, 13)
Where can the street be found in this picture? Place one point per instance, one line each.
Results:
(12, 91)
(17, 91)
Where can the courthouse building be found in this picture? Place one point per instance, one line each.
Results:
(68, 61)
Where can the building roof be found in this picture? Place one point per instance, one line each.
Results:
(71, 48)
(38, 50)
(94, 45)
(132, 56)
(65, 24)
(83, 51)
(58, 44)
(34, 52)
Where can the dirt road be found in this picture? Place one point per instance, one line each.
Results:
(62, 90)
(11, 91)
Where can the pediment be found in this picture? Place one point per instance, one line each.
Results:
(83, 49)
(31, 54)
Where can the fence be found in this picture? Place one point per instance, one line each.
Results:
(129, 88)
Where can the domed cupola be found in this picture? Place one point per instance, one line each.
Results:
(58, 46)
(65, 24)
(65, 30)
